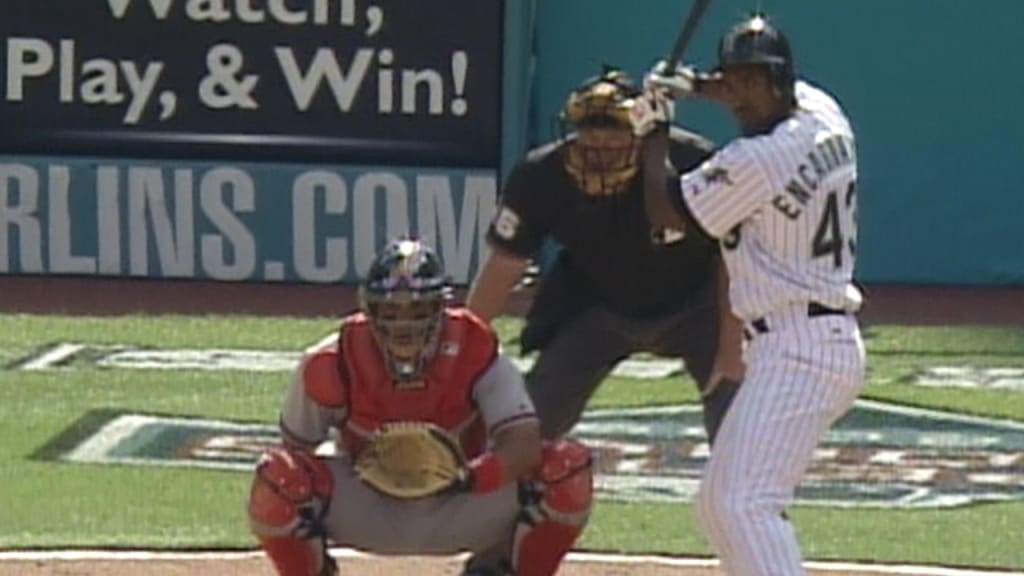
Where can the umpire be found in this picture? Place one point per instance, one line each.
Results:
(612, 290)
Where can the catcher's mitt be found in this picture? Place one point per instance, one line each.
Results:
(411, 460)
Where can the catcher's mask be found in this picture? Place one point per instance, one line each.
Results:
(403, 297)
(602, 157)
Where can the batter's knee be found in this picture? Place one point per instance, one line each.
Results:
(725, 509)
(706, 503)
(290, 494)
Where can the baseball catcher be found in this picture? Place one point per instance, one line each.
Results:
(437, 449)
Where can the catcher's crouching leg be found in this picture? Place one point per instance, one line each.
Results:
(290, 494)
(555, 508)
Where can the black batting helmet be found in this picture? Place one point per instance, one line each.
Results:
(756, 41)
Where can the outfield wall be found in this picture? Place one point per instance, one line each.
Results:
(264, 142)
(932, 87)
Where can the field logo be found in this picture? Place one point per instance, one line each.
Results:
(975, 377)
(879, 455)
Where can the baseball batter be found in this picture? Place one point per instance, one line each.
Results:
(782, 200)
(408, 358)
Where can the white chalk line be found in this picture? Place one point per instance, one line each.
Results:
(578, 557)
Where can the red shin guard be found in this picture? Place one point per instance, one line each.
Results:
(540, 549)
(294, 556)
(555, 515)
(290, 493)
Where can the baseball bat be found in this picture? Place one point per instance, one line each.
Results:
(686, 32)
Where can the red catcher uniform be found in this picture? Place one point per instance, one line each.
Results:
(469, 389)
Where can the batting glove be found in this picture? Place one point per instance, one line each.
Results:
(677, 83)
(653, 108)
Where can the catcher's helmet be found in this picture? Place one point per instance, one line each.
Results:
(756, 41)
(403, 296)
(602, 102)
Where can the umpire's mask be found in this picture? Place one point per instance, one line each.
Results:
(602, 155)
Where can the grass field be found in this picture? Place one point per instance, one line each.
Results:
(52, 504)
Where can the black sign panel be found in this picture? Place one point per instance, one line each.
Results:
(412, 82)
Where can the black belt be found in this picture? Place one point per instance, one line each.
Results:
(814, 310)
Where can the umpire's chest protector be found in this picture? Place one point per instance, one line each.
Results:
(465, 350)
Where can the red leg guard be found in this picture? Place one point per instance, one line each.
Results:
(539, 551)
(290, 495)
(295, 556)
(556, 509)
(565, 472)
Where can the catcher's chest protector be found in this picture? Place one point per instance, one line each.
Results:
(466, 348)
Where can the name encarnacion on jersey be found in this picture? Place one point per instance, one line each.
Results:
(827, 156)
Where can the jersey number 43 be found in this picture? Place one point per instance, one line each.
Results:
(837, 230)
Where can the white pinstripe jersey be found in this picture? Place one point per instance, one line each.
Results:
(784, 206)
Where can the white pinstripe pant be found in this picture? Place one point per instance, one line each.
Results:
(801, 376)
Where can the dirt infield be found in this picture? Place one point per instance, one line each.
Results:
(353, 563)
(349, 567)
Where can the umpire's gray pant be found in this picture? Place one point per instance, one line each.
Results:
(584, 351)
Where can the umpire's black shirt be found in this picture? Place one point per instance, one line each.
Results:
(608, 238)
